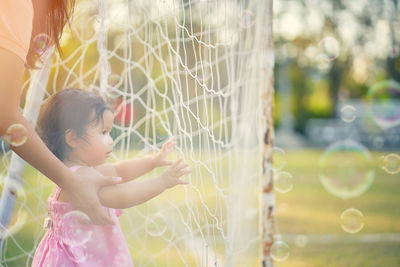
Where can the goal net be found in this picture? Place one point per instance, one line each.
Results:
(195, 70)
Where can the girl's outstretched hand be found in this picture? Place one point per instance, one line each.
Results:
(167, 147)
(171, 175)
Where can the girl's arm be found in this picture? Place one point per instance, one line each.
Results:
(135, 192)
(128, 169)
(134, 168)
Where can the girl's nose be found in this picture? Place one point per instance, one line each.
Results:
(110, 141)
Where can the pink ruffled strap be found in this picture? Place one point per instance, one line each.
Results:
(118, 212)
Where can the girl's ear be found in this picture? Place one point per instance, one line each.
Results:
(71, 138)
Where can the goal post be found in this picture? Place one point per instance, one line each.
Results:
(267, 198)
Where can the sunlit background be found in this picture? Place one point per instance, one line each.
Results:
(336, 159)
(337, 117)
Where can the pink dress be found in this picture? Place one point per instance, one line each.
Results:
(89, 246)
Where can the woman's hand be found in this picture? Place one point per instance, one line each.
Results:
(167, 147)
(171, 175)
(82, 192)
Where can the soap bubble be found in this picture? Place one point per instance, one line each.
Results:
(246, 19)
(346, 169)
(283, 182)
(121, 259)
(352, 220)
(16, 135)
(280, 251)
(203, 71)
(329, 48)
(383, 103)
(77, 228)
(78, 254)
(278, 158)
(301, 241)
(41, 43)
(156, 225)
(348, 113)
(391, 163)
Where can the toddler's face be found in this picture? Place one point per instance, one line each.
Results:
(100, 143)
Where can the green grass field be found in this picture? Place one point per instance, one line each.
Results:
(308, 209)
(311, 210)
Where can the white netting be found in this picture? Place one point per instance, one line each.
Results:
(189, 69)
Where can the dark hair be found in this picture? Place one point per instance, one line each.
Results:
(69, 109)
(49, 18)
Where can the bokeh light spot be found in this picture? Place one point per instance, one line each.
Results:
(329, 48)
(41, 43)
(16, 135)
(346, 169)
(348, 113)
(383, 103)
(280, 251)
(352, 220)
(77, 228)
(283, 182)
(391, 163)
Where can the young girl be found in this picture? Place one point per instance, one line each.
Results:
(75, 125)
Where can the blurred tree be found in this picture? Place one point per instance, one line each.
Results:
(368, 36)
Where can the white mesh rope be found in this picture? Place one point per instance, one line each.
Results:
(189, 69)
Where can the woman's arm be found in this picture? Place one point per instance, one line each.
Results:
(81, 190)
(135, 192)
(134, 168)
